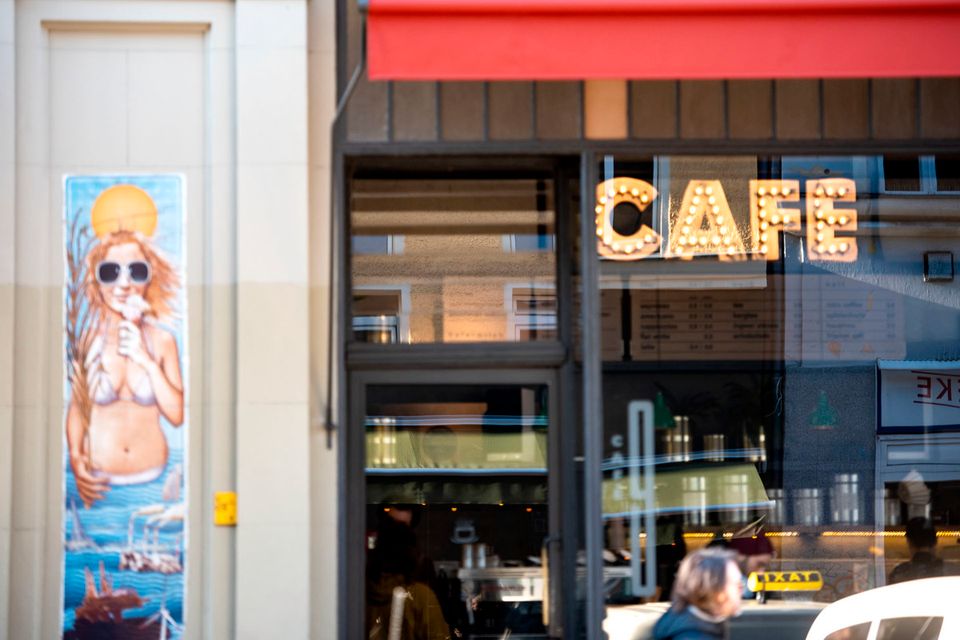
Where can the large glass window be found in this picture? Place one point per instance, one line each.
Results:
(780, 346)
(457, 510)
(470, 260)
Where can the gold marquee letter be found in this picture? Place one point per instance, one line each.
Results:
(610, 244)
(704, 225)
(767, 219)
(823, 221)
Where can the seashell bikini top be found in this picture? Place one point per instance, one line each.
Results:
(101, 387)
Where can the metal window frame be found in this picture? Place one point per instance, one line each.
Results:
(360, 364)
(353, 551)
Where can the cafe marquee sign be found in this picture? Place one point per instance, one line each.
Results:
(704, 224)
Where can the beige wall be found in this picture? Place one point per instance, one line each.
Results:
(236, 96)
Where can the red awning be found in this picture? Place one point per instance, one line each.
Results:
(661, 39)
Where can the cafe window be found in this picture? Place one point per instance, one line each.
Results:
(464, 243)
(766, 333)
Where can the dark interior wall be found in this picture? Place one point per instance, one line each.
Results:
(856, 110)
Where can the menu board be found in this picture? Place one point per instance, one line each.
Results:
(693, 325)
(842, 320)
(816, 318)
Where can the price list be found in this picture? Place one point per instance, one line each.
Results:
(814, 318)
(710, 325)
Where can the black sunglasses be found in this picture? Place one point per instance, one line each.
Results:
(138, 272)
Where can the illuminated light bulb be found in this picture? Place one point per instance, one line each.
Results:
(723, 230)
(599, 209)
(698, 191)
(634, 192)
(727, 240)
(644, 198)
(685, 230)
(830, 191)
(689, 220)
(703, 241)
(818, 192)
(819, 214)
(696, 200)
(762, 203)
(715, 240)
(719, 219)
(764, 225)
(820, 225)
(709, 190)
(763, 237)
(682, 241)
(833, 248)
(628, 248)
(844, 246)
(715, 210)
(763, 248)
(819, 237)
(761, 192)
(616, 246)
(611, 193)
(731, 250)
(711, 200)
(603, 200)
(842, 191)
(693, 210)
(774, 191)
(599, 233)
(832, 220)
(820, 248)
(679, 250)
(648, 239)
(786, 219)
(775, 219)
(762, 214)
(623, 188)
(843, 219)
(786, 191)
(816, 203)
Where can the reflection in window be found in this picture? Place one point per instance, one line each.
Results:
(778, 429)
(376, 245)
(532, 312)
(458, 474)
(378, 315)
(914, 628)
(856, 632)
(901, 173)
(948, 172)
(463, 242)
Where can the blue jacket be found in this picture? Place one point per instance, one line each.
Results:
(685, 625)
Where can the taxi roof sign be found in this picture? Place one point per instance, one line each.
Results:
(785, 581)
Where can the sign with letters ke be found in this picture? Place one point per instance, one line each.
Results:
(916, 396)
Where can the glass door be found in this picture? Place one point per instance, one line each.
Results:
(457, 480)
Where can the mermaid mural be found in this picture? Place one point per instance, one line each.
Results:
(125, 516)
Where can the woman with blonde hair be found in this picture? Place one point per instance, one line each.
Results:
(706, 594)
(132, 369)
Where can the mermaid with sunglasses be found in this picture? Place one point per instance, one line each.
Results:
(132, 369)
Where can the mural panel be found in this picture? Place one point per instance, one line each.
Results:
(125, 428)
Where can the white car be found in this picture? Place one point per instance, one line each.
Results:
(914, 610)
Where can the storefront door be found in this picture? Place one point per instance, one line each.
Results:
(460, 493)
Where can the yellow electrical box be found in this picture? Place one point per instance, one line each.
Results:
(225, 508)
(785, 581)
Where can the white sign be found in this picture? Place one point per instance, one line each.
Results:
(918, 395)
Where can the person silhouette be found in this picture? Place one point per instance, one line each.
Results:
(395, 571)
(923, 563)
